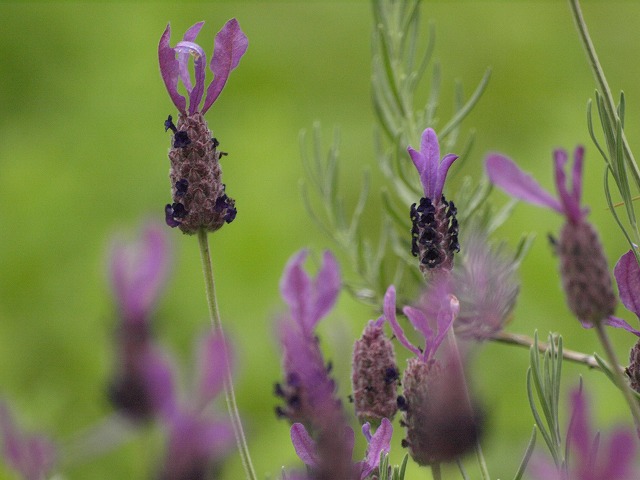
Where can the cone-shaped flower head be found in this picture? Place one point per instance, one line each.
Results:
(440, 421)
(199, 198)
(583, 265)
(379, 442)
(435, 228)
(486, 285)
(33, 456)
(374, 375)
(590, 456)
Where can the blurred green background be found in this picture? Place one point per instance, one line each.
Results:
(83, 155)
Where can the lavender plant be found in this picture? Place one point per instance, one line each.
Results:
(439, 258)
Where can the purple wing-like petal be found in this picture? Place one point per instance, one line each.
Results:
(170, 70)
(571, 207)
(627, 273)
(212, 367)
(295, 287)
(389, 308)
(620, 323)
(304, 445)
(158, 377)
(579, 435)
(326, 287)
(576, 174)
(185, 51)
(378, 443)
(183, 56)
(230, 45)
(505, 174)
(443, 169)
(446, 315)
(620, 456)
(430, 148)
(419, 321)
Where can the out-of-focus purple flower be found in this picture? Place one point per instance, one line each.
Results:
(229, 47)
(583, 265)
(33, 456)
(138, 271)
(198, 441)
(435, 228)
(440, 309)
(374, 375)
(485, 283)
(379, 442)
(589, 456)
(308, 390)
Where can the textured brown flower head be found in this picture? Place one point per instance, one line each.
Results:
(435, 228)
(441, 424)
(583, 266)
(199, 198)
(374, 375)
(633, 370)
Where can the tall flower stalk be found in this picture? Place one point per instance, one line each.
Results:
(200, 204)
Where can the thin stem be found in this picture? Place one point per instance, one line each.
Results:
(216, 324)
(482, 462)
(526, 341)
(634, 406)
(601, 80)
(436, 471)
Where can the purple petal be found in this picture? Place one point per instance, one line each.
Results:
(620, 456)
(212, 367)
(185, 51)
(627, 273)
(295, 287)
(183, 56)
(576, 174)
(158, 376)
(579, 434)
(170, 70)
(389, 308)
(505, 174)
(419, 321)
(443, 169)
(571, 207)
(138, 272)
(326, 287)
(430, 148)
(229, 46)
(304, 445)
(378, 443)
(620, 323)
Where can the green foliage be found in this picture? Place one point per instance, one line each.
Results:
(389, 473)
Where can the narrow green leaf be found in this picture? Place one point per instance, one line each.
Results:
(527, 456)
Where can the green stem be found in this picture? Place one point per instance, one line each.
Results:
(216, 323)
(598, 72)
(624, 387)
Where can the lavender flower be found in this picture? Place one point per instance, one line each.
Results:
(583, 266)
(199, 198)
(440, 421)
(379, 442)
(198, 442)
(374, 375)
(138, 272)
(33, 456)
(485, 283)
(308, 390)
(435, 228)
(584, 461)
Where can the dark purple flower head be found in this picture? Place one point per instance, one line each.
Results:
(432, 169)
(33, 456)
(434, 231)
(379, 442)
(138, 271)
(590, 456)
(438, 309)
(229, 46)
(504, 173)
